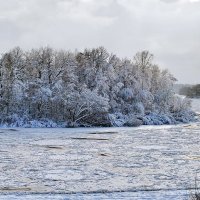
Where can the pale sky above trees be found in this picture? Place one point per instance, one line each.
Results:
(167, 28)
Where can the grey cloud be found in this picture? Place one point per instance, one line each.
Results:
(170, 1)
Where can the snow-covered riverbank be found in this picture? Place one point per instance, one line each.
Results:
(140, 195)
(92, 160)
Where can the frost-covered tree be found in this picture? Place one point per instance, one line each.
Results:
(45, 87)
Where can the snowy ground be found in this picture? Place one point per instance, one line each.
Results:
(149, 162)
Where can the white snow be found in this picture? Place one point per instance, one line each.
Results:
(147, 162)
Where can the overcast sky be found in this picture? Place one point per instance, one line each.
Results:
(170, 29)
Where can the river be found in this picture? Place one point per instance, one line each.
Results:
(148, 162)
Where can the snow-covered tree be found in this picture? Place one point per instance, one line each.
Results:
(92, 88)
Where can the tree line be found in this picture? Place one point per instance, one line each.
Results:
(88, 88)
(191, 91)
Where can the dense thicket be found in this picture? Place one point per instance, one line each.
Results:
(44, 87)
(191, 91)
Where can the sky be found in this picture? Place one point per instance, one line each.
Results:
(170, 29)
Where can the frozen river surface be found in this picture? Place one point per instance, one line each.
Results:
(149, 162)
